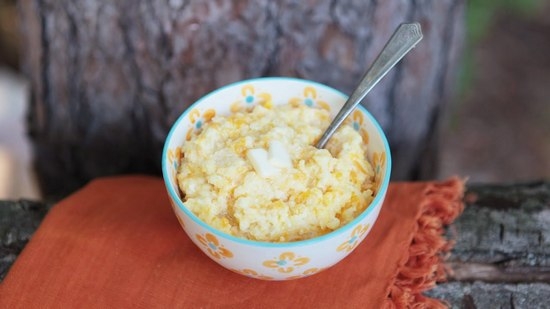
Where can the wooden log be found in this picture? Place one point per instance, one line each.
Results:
(502, 254)
(481, 295)
(494, 272)
(18, 222)
(505, 226)
(110, 77)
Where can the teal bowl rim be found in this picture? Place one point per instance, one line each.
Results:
(377, 199)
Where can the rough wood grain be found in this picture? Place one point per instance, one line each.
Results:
(481, 295)
(502, 254)
(506, 226)
(18, 221)
(110, 77)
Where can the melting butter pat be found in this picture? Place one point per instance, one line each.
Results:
(258, 157)
(269, 163)
(278, 155)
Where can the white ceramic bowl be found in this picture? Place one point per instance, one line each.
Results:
(266, 260)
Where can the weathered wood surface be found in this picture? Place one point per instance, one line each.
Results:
(110, 77)
(18, 221)
(502, 254)
(501, 258)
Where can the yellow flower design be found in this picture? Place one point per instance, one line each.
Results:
(379, 162)
(307, 272)
(286, 262)
(213, 246)
(354, 239)
(198, 120)
(174, 156)
(252, 274)
(310, 99)
(250, 99)
(356, 120)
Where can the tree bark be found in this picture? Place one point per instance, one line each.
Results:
(110, 77)
(502, 254)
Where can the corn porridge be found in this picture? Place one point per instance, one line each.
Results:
(257, 175)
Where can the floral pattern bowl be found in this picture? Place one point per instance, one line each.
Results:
(266, 260)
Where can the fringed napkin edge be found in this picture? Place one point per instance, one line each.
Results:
(429, 248)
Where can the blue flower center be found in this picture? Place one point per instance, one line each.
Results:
(249, 99)
(356, 126)
(352, 239)
(281, 262)
(309, 102)
(212, 246)
(198, 125)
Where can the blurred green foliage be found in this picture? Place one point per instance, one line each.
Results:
(479, 17)
(479, 14)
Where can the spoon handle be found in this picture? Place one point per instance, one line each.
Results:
(405, 37)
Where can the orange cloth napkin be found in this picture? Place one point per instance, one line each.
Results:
(117, 244)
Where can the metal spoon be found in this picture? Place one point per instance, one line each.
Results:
(405, 37)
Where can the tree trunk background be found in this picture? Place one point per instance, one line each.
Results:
(110, 77)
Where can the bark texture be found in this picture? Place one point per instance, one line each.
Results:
(110, 77)
(502, 254)
(18, 222)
